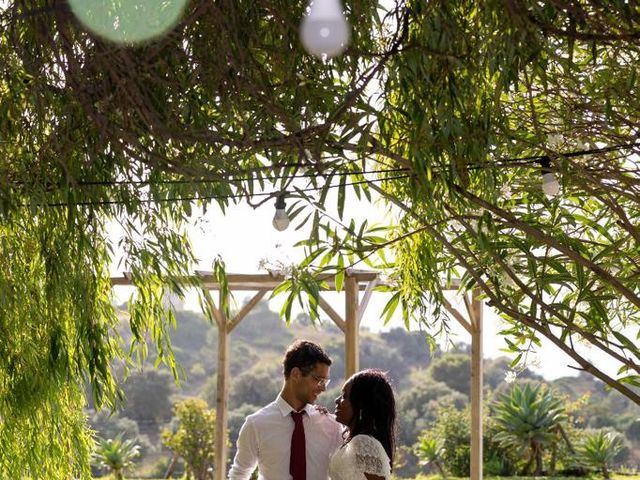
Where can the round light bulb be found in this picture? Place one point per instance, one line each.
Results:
(325, 30)
(280, 220)
(128, 21)
(550, 185)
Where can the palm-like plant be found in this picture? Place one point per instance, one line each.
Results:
(530, 418)
(598, 450)
(429, 450)
(116, 455)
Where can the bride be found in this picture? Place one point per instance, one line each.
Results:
(367, 408)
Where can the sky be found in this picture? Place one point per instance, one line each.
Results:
(244, 237)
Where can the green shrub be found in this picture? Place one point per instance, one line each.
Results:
(452, 436)
(497, 460)
(430, 451)
(599, 449)
(194, 438)
(529, 419)
(116, 455)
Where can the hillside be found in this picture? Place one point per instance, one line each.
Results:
(424, 381)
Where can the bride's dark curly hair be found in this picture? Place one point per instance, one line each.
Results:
(374, 408)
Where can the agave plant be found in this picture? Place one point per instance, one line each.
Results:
(116, 455)
(599, 449)
(529, 418)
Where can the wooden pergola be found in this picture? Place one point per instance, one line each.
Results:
(355, 281)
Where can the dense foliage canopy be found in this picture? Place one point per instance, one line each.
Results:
(447, 110)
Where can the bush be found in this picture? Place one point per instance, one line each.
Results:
(497, 460)
(162, 465)
(194, 438)
(448, 443)
(430, 452)
(110, 425)
(116, 455)
(633, 431)
(452, 435)
(599, 450)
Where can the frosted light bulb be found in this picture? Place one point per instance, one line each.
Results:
(550, 185)
(325, 30)
(280, 219)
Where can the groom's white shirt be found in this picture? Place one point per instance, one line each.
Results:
(265, 440)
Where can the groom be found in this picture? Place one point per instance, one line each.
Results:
(290, 438)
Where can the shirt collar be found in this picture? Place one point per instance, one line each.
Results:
(286, 409)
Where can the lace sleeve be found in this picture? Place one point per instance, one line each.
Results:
(371, 456)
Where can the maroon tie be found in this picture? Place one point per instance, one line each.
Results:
(298, 461)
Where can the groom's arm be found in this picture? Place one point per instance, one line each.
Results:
(246, 457)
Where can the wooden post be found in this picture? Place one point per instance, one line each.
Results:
(351, 340)
(475, 312)
(222, 396)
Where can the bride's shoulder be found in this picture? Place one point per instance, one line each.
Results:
(366, 442)
(370, 456)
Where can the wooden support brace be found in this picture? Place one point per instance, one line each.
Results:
(213, 311)
(468, 305)
(246, 309)
(365, 299)
(333, 315)
(458, 316)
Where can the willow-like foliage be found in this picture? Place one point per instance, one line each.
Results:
(56, 321)
(515, 85)
(447, 110)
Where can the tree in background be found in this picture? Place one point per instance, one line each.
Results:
(116, 455)
(148, 397)
(633, 431)
(256, 388)
(111, 425)
(376, 352)
(529, 418)
(274, 332)
(193, 437)
(451, 435)
(454, 370)
(193, 329)
(496, 370)
(412, 346)
(420, 403)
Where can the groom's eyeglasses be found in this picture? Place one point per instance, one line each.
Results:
(322, 381)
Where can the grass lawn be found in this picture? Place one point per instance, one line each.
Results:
(591, 477)
(438, 477)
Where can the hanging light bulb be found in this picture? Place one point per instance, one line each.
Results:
(550, 184)
(128, 21)
(280, 219)
(325, 30)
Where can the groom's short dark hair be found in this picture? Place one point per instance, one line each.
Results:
(304, 355)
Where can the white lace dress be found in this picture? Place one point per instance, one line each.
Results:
(362, 454)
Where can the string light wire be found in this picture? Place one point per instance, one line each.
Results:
(509, 162)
